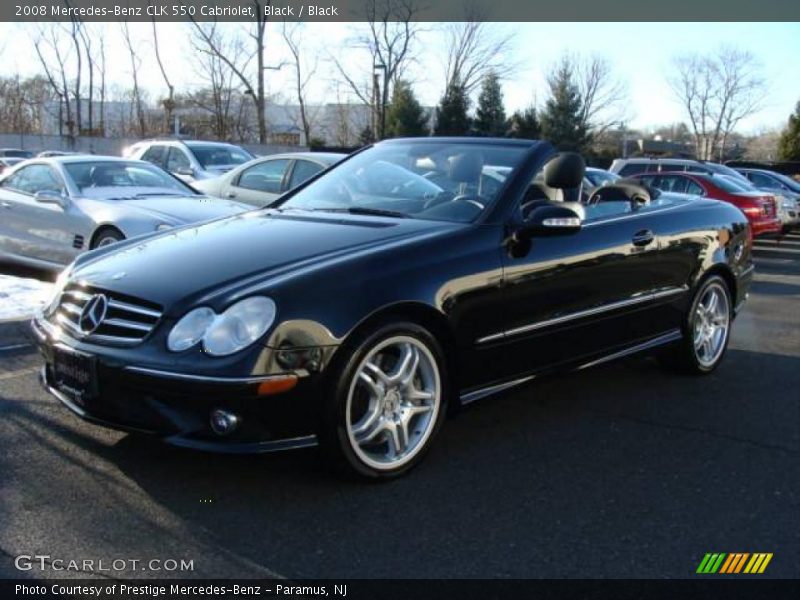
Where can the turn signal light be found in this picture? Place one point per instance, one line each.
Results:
(277, 385)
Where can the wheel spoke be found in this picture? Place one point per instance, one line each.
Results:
(415, 394)
(398, 439)
(376, 391)
(416, 409)
(713, 300)
(377, 372)
(369, 432)
(406, 366)
(708, 348)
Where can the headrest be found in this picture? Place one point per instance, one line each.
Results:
(565, 171)
(465, 167)
(624, 190)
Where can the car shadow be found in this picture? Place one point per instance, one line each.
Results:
(600, 459)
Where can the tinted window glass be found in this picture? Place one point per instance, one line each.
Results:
(35, 178)
(264, 177)
(633, 169)
(672, 183)
(155, 155)
(177, 160)
(694, 189)
(303, 170)
(219, 155)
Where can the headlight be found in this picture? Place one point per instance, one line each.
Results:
(190, 329)
(236, 328)
(239, 326)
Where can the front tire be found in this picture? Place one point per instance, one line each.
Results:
(388, 402)
(706, 329)
(106, 237)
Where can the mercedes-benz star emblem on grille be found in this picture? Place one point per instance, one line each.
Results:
(93, 313)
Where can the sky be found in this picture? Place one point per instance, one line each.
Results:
(640, 54)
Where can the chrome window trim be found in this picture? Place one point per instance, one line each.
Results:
(648, 297)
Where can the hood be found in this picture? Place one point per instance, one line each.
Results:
(180, 210)
(254, 247)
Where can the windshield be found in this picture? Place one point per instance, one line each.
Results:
(418, 179)
(219, 155)
(127, 179)
(598, 178)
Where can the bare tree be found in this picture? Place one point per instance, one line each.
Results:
(136, 95)
(302, 72)
(241, 65)
(169, 102)
(53, 56)
(474, 49)
(86, 38)
(717, 91)
(389, 37)
(604, 96)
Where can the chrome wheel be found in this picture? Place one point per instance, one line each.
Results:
(711, 324)
(393, 402)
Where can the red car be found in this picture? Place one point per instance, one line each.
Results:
(760, 208)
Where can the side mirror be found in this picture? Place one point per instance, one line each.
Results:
(549, 221)
(51, 197)
(188, 171)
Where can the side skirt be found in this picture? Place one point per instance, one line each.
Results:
(661, 340)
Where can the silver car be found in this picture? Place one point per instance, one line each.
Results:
(262, 180)
(52, 209)
(190, 160)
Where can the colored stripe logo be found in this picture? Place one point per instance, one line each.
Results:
(733, 563)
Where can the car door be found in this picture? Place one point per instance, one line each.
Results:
(43, 231)
(575, 296)
(259, 184)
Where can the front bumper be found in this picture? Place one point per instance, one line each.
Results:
(177, 406)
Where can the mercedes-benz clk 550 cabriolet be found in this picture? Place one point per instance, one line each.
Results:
(357, 309)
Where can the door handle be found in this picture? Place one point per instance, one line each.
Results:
(643, 237)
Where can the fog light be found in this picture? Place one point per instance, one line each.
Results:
(223, 422)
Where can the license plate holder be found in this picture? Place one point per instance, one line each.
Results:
(74, 374)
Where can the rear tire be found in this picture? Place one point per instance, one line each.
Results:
(385, 403)
(706, 329)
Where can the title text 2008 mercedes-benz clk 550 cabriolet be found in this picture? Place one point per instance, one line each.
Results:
(414, 275)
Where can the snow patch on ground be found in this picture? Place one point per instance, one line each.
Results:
(20, 297)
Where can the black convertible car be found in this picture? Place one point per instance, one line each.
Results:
(414, 275)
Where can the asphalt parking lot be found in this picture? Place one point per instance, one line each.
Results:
(622, 471)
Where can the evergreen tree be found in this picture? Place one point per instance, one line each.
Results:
(405, 117)
(525, 124)
(451, 114)
(490, 116)
(562, 124)
(789, 144)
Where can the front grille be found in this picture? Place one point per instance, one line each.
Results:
(127, 320)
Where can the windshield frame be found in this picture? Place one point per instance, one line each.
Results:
(181, 187)
(528, 150)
